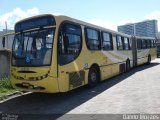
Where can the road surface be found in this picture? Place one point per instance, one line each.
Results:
(137, 91)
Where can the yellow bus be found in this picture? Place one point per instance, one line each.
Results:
(57, 54)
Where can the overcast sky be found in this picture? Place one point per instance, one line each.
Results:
(106, 13)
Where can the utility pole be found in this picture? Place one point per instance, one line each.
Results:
(134, 28)
(6, 32)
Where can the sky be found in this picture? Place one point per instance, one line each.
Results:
(105, 13)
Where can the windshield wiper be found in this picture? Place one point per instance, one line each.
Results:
(27, 43)
(38, 35)
(34, 42)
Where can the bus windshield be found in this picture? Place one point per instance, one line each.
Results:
(33, 48)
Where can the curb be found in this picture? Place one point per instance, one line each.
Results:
(13, 95)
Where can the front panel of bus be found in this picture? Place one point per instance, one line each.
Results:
(34, 63)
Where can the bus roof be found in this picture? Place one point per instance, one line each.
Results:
(63, 18)
(141, 37)
(90, 25)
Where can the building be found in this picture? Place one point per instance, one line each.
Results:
(147, 28)
(7, 42)
(4, 32)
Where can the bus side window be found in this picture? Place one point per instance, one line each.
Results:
(107, 42)
(119, 41)
(154, 43)
(93, 39)
(148, 43)
(126, 44)
(3, 42)
(144, 44)
(69, 43)
(139, 44)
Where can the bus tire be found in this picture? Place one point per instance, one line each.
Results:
(149, 59)
(128, 66)
(93, 77)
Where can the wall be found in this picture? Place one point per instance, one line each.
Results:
(5, 53)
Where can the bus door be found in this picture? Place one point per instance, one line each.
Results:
(69, 48)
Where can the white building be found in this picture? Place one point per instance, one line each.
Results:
(147, 28)
(6, 39)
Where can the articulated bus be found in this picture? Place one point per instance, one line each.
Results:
(58, 54)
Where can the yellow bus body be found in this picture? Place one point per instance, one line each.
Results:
(57, 78)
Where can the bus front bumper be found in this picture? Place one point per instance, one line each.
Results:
(46, 85)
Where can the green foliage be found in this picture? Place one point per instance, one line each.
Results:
(5, 83)
(6, 88)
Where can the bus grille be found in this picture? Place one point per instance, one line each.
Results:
(76, 79)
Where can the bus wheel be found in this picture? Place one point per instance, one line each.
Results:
(93, 77)
(128, 66)
(149, 59)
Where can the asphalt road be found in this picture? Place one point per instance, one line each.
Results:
(137, 91)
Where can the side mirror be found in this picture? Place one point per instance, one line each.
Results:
(3, 41)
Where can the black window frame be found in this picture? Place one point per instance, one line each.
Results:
(87, 39)
(154, 43)
(117, 42)
(123, 38)
(148, 43)
(139, 46)
(110, 40)
(60, 33)
(128, 42)
(144, 44)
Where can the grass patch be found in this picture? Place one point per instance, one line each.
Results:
(6, 87)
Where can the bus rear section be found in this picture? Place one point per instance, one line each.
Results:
(33, 67)
(146, 49)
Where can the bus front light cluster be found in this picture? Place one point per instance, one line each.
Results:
(30, 78)
(17, 77)
(39, 77)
